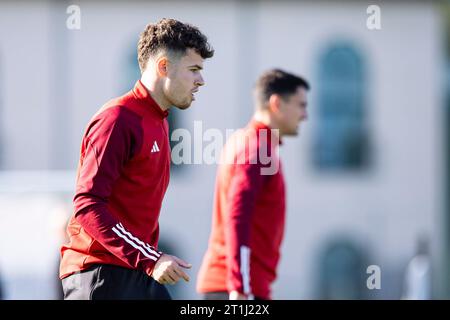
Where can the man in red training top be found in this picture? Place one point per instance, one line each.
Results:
(123, 174)
(249, 204)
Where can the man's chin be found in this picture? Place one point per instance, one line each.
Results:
(183, 106)
(292, 133)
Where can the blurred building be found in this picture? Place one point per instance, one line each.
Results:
(365, 177)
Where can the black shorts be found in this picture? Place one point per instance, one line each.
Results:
(109, 282)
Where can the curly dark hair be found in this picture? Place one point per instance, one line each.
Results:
(171, 35)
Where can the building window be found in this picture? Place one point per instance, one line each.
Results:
(341, 139)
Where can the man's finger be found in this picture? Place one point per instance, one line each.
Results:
(171, 277)
(174, 276)
(161, 280)
(182, 274)
(182, 263)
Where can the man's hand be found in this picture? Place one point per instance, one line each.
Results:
(168, 269)
(234, 295)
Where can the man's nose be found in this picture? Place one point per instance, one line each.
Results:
(200, 82)
(304, 116)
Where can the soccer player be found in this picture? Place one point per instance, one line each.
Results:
(249, 203)
(123, 173)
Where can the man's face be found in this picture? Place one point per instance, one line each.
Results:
(183, 79)
(292, 112)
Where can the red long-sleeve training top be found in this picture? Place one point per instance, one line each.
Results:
(122, 176)
(248, 216)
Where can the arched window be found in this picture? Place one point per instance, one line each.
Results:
(341, 140)
(341, 269)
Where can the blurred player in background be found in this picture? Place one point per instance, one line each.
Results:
(123, 174)
(249, 204)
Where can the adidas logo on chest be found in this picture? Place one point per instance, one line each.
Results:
(155, 147)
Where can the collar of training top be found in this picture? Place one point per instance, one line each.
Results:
(259, 125)
(142, 93)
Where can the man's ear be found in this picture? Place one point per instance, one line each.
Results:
(274, 103)
(161, 66)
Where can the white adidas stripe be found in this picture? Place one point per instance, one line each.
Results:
(133, 244)
(144, 249)
(245, 269)
(145, 245)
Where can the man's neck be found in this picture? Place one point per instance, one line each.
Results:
(156, 91)
(265, 118)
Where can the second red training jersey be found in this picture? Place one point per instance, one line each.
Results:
(248, 216)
